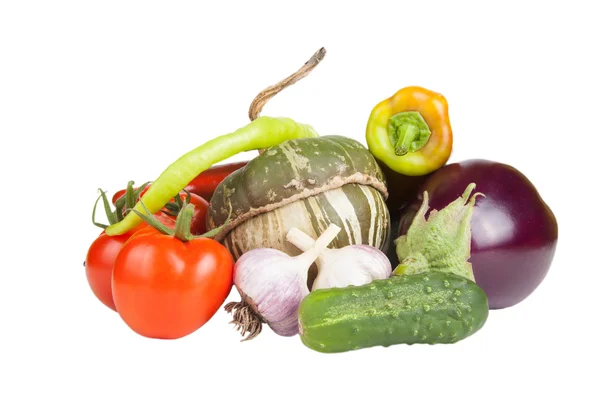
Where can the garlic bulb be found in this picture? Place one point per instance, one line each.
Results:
(272, 284)
(351, 265)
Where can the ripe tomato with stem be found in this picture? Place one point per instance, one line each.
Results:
(167, 283)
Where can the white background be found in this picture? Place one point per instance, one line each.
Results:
(93, 94)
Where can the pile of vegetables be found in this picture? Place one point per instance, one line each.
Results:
(345, 245)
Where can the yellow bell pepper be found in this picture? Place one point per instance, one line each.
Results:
(410, 132)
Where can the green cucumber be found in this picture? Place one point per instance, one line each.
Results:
(431, 307)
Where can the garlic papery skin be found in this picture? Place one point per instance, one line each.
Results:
(272, 284)
(351, 265)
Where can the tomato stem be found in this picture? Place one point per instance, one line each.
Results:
(112, 218)
(98, 224)
(130, 198)
(127, 201)
(151, 220)
(183, 223)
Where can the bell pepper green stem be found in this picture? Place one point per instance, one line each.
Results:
(405, 139)
(408, 132)
(261, 133)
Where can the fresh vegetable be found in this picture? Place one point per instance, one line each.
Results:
(355, 265)
(442, 242)
(206, 182)
(103, 251)
(168, 283)
(260, 134)
(514, 232)
(457, 252)
(432, 307)
(271, 285)
(410, 132)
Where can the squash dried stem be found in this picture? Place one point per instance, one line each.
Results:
(263, 97)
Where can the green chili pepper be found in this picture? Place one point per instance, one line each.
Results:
(261, 133)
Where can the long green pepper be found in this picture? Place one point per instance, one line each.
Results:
(261, 133)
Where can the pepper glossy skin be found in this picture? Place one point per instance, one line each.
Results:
(415, 156)
(513, 231)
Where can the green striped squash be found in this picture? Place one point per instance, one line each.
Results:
(359, 210)
(308, 184)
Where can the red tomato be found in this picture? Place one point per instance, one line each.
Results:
(165, 288)
(99, 265)
(101, 257)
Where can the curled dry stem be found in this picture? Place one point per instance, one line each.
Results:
(245, 319)
(263, 97)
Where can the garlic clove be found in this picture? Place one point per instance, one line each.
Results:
(351, 265)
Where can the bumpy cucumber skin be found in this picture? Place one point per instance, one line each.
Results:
(431, 307)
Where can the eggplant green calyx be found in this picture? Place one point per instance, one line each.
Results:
(408, 132)
(440, 243)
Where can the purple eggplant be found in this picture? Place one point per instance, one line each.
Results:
(514, 232)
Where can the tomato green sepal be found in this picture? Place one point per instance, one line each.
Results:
(182, 223)
(110, 215)
(173, 209)
(122, 205)
(128, 200)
